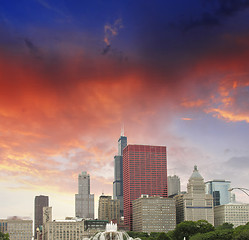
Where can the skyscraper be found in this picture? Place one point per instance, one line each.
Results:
(174, 186)
(84, 201)
(195, 204)
(145, 172)
(109, 209)
(219, 190)
(40, 202)
(118, 173)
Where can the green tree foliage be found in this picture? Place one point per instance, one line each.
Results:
(4, 236)
(225, 226)
(226, 234)
(241, 232)
(162, 236)
(185, 229)
(204, 226)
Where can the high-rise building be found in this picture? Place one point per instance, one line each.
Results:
(235, 213)
(118, 173)
(153, 214)
(219, 190)
(109, 209)
(40, 202)
(84, 201)
(145, 172)
(17, 228)
(195, 204)
(174, 185)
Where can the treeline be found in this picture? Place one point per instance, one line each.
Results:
(199, 230)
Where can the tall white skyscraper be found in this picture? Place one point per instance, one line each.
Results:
(84, 201)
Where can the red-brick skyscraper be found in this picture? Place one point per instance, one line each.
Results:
(144, 172)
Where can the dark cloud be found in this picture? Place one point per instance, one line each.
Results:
(238, 162)
(213, 17)
(231, 7)
(106, 49)
(32, 48)
(206, 19)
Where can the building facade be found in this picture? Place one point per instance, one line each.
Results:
(219, 190)
(174, 185)
(18, 229)
(118, 174)
(64, 229)
(109, 209)
(84, 201)
(153, 214)
(195, 204)
(40, 202)
(144, 172)
(235, 213)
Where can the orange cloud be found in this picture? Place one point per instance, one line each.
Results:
(229, 116)
(186, 119)
(191, 104)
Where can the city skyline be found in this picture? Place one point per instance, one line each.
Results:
(72, 73)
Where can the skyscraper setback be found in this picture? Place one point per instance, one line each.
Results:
(145, 172)
(118, 173)
(40, 202)
(84, 201)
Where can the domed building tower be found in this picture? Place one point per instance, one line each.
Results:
(195, 204)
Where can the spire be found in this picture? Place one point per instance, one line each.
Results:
(122, 130)
(196, 173)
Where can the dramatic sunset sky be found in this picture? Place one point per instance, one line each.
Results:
(72, 72)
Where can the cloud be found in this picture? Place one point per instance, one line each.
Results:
(238, 162)
(32, 48)
(111, 31)
(214, 12)
(186, 119)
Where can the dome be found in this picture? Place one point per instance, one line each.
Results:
(196, 174)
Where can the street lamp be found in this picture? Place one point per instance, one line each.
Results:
(241, 189)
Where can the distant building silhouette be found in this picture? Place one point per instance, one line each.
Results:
(40, 202)
(219, 190)
(84, 201)
(118, 173)
(145, 172)
(174, 185)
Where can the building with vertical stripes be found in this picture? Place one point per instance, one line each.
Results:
(144, 172)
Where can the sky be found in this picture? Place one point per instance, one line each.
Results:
(72, 73)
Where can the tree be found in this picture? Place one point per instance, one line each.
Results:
(226, 234)
(241, 232)
(163, 236)
(204, 226)
(185, 229)
(4, 236)
(225, 226)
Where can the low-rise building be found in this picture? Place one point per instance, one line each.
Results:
(153, 214)
(235, 213)
(64, 229)
(17, 228)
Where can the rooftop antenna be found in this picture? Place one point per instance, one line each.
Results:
(122, 129)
